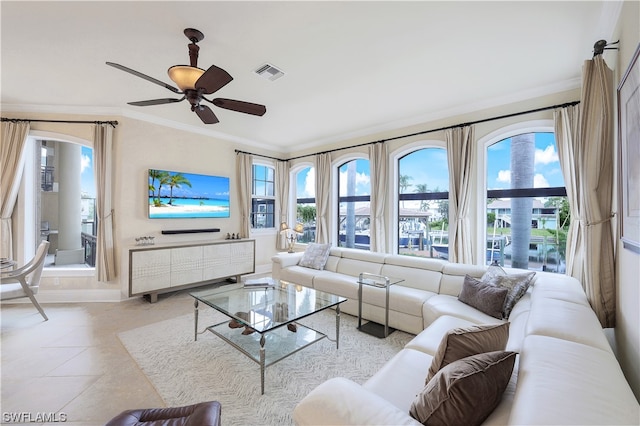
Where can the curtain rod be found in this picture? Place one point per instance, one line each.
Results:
(515, 114)
(20, 120)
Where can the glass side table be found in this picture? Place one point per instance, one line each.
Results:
(379, 281)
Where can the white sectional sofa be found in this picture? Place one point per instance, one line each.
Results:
(565, 373)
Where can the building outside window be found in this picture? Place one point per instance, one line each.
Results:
(263, 197)
(78, 194)
(423, 203)
(527, 209)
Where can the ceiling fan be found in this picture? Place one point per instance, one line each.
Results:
(194, 83)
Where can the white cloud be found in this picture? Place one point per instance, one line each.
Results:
(85, 162)
(362, 180)
(549, 155)
(310, 183)
(504, 176)
(539, 181)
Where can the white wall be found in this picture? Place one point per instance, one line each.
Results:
(627, 331)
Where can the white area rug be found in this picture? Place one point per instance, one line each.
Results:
(185, 371)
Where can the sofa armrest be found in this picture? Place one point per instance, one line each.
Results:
(340, 401)
(287, 259)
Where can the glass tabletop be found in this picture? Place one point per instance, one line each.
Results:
(264, 309)
(377, 280)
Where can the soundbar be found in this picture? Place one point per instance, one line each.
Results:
(188, 231)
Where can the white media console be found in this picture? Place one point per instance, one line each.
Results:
(160, 269)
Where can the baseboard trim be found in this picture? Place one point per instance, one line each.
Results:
(83, 295)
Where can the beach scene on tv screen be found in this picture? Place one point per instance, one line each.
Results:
(175, 195)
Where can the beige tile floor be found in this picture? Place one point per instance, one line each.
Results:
(74, 364)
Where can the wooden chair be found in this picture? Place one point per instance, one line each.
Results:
(25, 281)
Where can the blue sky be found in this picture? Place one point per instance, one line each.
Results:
(87, 181)
(429, 166)
(205, 186)
(546, 167)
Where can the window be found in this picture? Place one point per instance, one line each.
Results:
(423, 203)
(67, 190)
(263, 197)
(527, 209)
(305, 191)
(354, 196)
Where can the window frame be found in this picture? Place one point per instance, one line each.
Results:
(335, 193)
(395, 158)
(530, 126)
(26, 202)
(292, 208)
(253, 229)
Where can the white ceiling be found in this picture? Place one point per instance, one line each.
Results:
(352, 68)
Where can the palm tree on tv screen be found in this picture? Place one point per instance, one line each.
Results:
(176, 181)
(162, 177)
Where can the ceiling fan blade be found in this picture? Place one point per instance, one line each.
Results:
(206, 115)
(156, 102)
(240, 106)
(146, 77)
(213, 80)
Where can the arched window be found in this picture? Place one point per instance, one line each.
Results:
(304, 182)
(423, 203)
(354, 196)
(527, 213)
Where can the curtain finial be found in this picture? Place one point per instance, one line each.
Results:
(601, 45)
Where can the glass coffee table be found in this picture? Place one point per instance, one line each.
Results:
(262, 321)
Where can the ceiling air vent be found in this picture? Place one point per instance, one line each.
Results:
(269, 72)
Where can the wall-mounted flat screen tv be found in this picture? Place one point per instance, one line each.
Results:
(178, 195)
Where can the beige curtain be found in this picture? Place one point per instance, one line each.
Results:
(378, 164)
(244, 169)
(323, 192)
(460, 156)
(566, 131)
(103, 154)
(591, 245)
(12, 149)
(282, 197)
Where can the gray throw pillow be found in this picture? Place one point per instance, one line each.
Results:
(484, 297)
(462, 342)
(315, 256)
(466, 391)
(516, 284)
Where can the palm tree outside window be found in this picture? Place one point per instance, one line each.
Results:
(527, 209)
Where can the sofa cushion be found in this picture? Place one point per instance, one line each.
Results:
(429, 339)
(562, 382)
(442, 304)
(336, 283)
(462, 342)
(402, 299)
(516, 284)
(298, 275)
(466, 391)
(315, 256)
(453, 276)
(565, 320)
(484, 297)
(401, 378)
(340, 401)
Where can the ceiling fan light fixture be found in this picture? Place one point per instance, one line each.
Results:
(184, 76)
